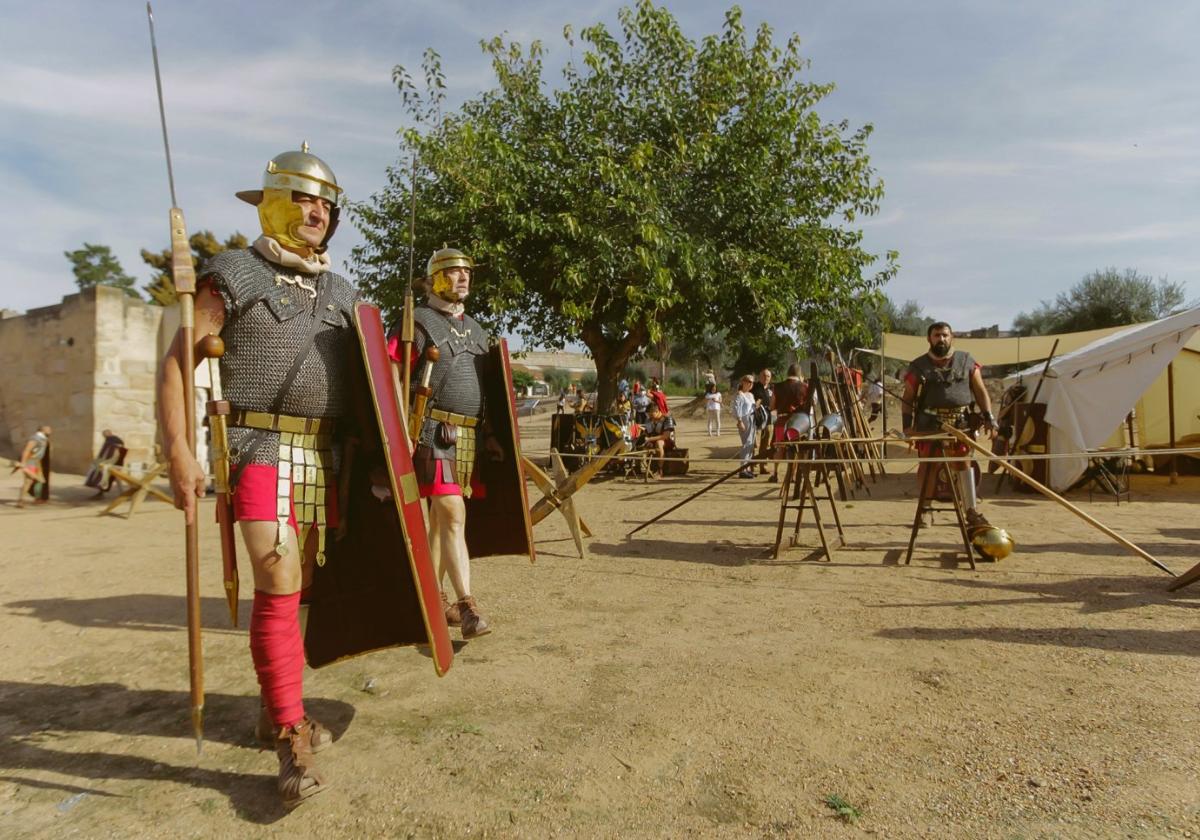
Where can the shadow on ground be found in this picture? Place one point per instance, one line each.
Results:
(36, 716)
(131, 612)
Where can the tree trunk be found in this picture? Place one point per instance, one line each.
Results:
(610, 357)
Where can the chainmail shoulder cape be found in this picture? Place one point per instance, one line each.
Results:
(268, 310)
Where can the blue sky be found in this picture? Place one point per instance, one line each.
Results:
(1022, 144)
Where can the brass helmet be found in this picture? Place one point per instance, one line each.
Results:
(288, 172)
(445, 258)
(441, 261)
(301, 171)
(993, 542)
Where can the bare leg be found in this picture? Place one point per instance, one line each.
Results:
(275, 574)
(449, 523)
(448, 530)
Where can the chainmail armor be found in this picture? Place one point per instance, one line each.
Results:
(266, 321)
(456, 375)
(946, 387)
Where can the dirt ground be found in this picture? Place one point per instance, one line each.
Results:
(679, 683)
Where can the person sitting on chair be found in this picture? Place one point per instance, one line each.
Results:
(658, 436)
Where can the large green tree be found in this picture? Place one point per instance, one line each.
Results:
(1107, 298)
(204, 244)
(666, 185)
(95, 265)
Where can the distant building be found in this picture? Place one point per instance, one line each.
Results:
(82, 365)
(536, 363)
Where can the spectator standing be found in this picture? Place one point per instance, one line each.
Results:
(640, 403)
(743, 410)
(762, 394)
(712, 409)
(872, 395)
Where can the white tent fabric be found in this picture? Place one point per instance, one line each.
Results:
(1089, 391)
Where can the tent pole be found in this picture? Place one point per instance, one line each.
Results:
(1171, 418)
(882, 382)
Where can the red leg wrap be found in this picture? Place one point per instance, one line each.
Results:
(278, 653)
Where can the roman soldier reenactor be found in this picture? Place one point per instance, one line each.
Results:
(287, 325)
(939, 387)
(450, 423)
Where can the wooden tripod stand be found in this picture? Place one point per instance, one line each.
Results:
(798, 493)
(927, 496)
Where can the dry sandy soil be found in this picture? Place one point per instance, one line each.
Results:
(675, 684)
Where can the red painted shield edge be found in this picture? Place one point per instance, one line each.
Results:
(506, 367)
(399, 462)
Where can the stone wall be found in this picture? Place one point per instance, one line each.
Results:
(127, 360)
(83, 365)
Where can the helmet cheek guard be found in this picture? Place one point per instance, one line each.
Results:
(335, 213)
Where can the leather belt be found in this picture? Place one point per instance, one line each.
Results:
(281, 422)
(945, 413)
(453, 419)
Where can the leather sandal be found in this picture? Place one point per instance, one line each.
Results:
(473, 622)
(266, 731)
(299, 777)
(452, 611)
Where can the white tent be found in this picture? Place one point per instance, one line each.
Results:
(1089, 391)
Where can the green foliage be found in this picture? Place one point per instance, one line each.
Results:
(772, 350)
(680, 380)
(907, 318)
(522, 379)
(588, 382)
(95, 265)
(1107, 298)
(161, 287)
(842, 808)
(634, 373)
(557, 378)
(667, 185)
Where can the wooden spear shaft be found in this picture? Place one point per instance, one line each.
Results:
(184, 276)
(1046, 491)
(695, 495)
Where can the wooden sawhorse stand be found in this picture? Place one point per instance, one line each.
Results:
(799, 494)
(137, 489)
(933, 471)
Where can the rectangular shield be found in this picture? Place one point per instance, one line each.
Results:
(498, 523)
(377, 588)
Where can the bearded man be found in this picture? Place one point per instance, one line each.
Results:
(455, 420)
(938, 388)
(287, 324)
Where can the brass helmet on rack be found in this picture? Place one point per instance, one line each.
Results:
(442, 260)
(993, 542)
(293, 171)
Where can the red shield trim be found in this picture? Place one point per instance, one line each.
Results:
(499, 522)
(378, 588)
